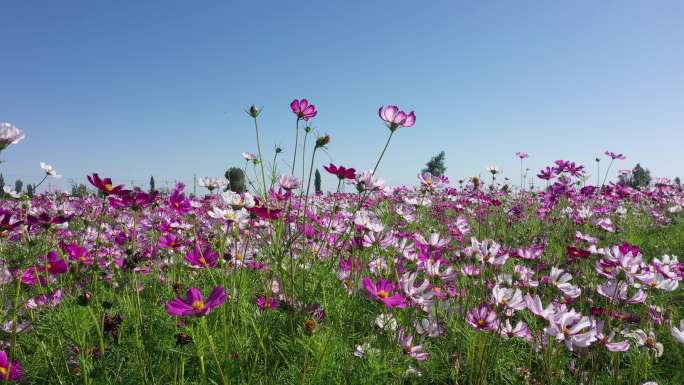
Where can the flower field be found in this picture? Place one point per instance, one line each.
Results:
(479, 281)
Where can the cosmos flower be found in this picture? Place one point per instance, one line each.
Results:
(289, 182)
(106, 186)
(303, 109)
(417, 352)
(267, 303)
(383, 292)
(49, 170)
(521, 155)
(249, 156)
(521, 330)
(678, 333)
(483, 318)
(194, 305)
(394, 118)
(10, 134)
(575, 329)
(53, 264)
(10, 191)
(614, 156)
(10, 371)
(341, 172)
(202, 258)
(646, 340)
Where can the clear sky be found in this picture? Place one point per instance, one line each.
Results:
(137, 88)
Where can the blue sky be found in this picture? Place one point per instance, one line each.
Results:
(138, 88)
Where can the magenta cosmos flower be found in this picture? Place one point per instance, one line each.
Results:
(341, 172)
(194, 304)
(396, 118)
(522, 155)
(483, 318)
(9, 372)
(202, 258)
(303, 109)
(106, 186)
(53, 264)
(383, 291)
(267, 303)
(614, 156)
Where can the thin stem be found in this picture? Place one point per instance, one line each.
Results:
(383, 151)
(203, 322)
(607, 171)
(261, 160)
(294, 158)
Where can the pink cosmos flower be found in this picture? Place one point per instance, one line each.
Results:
(607, 340)
(267, 303)
(170, 241)
(198, 258)
(248, 156)
(547, 174)
(106, 186)
(396, 118)
(483, 318)
(614, 156)
(289, 182)
(50, 300)
(383, 292)
(678, 333)
(416, 351)
(194, 304)
(178, 201)
(521, 330)
(522, 155)
(77, 253)
(303, 109)
(10, 371)
(575, 329)
(53, 264)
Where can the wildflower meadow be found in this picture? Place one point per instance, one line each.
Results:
(261, 279)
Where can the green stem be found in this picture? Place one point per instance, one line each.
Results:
(203, 322)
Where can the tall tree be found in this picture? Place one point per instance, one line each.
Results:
(436, 165)
(2, 181)
(639, 177)
(18, 185)
(317, 182)
(30, 190)
(677, 181)
(236, 178)
(151, 184)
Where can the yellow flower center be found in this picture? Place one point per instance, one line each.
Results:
(199, 304)
(109, 187)
(383, 294)
(202, 261)
(3, 372)
(481, 322)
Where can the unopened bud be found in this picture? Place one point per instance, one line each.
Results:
(322, 141)
(254, 111)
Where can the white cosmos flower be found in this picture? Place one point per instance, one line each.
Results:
(9, 191)
(10, 134)
(49, 170)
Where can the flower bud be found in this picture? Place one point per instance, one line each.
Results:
(254, 111)
(322, 141)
